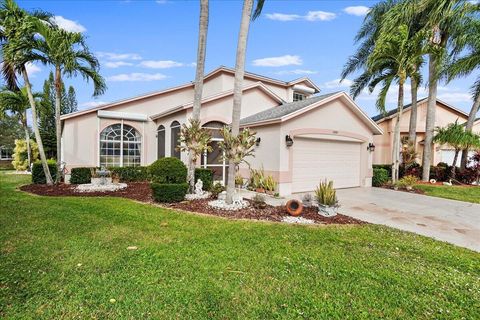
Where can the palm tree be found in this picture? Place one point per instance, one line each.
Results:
(200, 70)
(458, 138)
(444, 18)
(238, 82)
(17, 103)
(16, 37)
(394, 58)
(70, 56)
(468, 42)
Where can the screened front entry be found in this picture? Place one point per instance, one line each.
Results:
(120, 146)
(214, 160)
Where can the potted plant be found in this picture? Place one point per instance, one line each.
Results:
(270, 185)
(257, 180)
(326, 198)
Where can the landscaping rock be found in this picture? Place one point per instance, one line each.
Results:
(298, 220)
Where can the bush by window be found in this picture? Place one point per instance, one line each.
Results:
(80, 175)
(168, 170)
(131, 174)
(206, 175)
(380, 177)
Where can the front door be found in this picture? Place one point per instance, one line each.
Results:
(214, 161)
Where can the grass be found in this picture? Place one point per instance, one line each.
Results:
(64, 258)
(468, 194)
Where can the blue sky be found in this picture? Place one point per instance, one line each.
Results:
(145, 45)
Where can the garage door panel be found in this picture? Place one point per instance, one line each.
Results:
(315, 160)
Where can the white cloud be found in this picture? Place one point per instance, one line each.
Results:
(92, 104)
(119, 56)
(295, 72)
(69, 25)
(310, 16)
(117, 64)
(160, 64)
(320, 16)
(32, 69)
(455, 97)
(136, 76)
(282, 16)
(357, 10)
(285, 60)
(332, 84)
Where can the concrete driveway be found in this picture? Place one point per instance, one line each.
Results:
(452, 221)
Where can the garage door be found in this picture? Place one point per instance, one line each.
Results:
(315, 160)
(448, 155)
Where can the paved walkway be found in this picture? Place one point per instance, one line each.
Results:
(452, 221)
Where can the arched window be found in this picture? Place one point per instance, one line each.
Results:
(160, 142)
(174, 137)
(120, 146)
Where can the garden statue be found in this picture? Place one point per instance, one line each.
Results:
(199, 188)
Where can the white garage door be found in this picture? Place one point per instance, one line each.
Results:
(314, 160)
(448, 155)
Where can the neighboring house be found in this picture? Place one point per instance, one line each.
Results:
(5, 157)
(444, 115)
(330, 133)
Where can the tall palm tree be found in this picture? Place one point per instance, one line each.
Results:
(458, 138)
(68, 53)
(199, 73)
(444, 18)
(469, 43)
(238, 82)
(17, 103)
(16, 37)
(394, 58)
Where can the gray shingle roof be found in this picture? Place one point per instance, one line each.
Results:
(282, 110)
(394, 111)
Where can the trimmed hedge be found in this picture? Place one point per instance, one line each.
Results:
(387, 167)
(169, 192)
(206, 175)
(380, 177)
(80, 175)
(38, 176)
(168, 170)
(131, 174)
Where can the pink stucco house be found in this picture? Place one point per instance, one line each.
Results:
(331, 135)
(444, 115)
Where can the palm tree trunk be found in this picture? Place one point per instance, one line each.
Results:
(58, 124)
(412, 130)
(200, 70)
(41, 151)
(396, 134)
(27, 141)
(468, 127)
(454, 164)
(237, 88)
(430, 121)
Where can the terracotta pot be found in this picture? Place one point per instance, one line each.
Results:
(260, 190)
(294, 207)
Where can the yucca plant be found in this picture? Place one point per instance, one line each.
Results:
(325, 194)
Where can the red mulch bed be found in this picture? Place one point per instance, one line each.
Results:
(270, 213)
(141, 191)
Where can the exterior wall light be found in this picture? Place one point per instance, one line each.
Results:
(288, 141)
(257, 142)
(371, 147)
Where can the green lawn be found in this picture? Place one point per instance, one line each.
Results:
(468, 194)
(67, 258)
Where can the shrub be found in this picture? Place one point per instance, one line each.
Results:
(168, 170)
(217, 189)
(169, 192)
(467, 176)
(258, 201)
(440, 172)
(442, 164)
(38, 176)
(257, 179)
(413, 169)
(407, 182)
(387, 167)
(130, 174)
(20, 156)
(325, 194)
(206, 175)
(380, 177)
(269, 184)
(80, 175)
